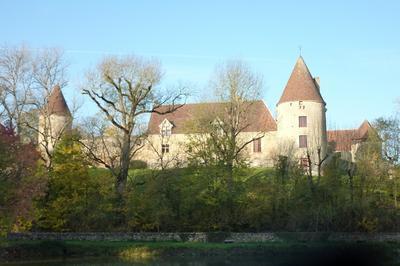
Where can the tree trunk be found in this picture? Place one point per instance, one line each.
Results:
(230, 192)
(309, 174)
(395, 192)
(319, 165)
(124, 165)
(121, 180)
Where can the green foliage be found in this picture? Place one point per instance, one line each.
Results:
(196, 199)
(18, 183)
(75, 200)
(137, 164)
(349, 196)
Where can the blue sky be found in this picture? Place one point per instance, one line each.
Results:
(354, 46)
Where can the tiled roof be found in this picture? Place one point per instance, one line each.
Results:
(301, 86)
(259, 118)
(56, 102)
(362, 131)
(343, 139)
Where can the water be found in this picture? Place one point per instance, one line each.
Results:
(169, 261)
(326, 257)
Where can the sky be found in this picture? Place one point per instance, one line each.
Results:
(353, 46)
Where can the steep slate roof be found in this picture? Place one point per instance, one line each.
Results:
(56, 102)
(343, 139)
(259, 117)
(301, 86)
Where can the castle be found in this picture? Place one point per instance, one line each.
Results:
(54, 120)
(299, 129)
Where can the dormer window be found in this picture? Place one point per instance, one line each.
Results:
(166, 128)
(165, 132)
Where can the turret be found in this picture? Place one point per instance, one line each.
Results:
(54, 120)
(301, 120)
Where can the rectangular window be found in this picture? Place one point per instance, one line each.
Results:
(257, 145)
(165, 148)
(304, 162)
(303, 141)
(302, 121)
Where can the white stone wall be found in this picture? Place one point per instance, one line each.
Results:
(289, 131)
(151, 153)
(51, 128)
(266, 157)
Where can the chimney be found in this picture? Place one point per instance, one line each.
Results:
(316, 80)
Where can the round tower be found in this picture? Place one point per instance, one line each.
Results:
(54, 120)
(301, 119)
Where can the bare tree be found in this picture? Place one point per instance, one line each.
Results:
(16, 93)
(164, 158)
(316, 154)
(222, 139)
(26, 80)
(125, 89)
(389, 133)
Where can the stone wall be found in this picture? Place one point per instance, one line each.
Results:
(147, 236)
(208, 237)
(98, 236)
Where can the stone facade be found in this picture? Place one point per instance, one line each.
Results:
(51, 128)
(54, 120)
(177, 144)
(289, 131)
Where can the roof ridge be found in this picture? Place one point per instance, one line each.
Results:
(332, 130)
(259, 115)
(216, 102)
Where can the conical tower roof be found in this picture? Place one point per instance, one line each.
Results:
(56, 103)
(301, 85)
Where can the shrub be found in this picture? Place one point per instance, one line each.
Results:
(138, 164)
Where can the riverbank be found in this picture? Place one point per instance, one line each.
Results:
(367, 253)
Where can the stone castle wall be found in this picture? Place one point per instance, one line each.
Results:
(289, 131)
(151, 152)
